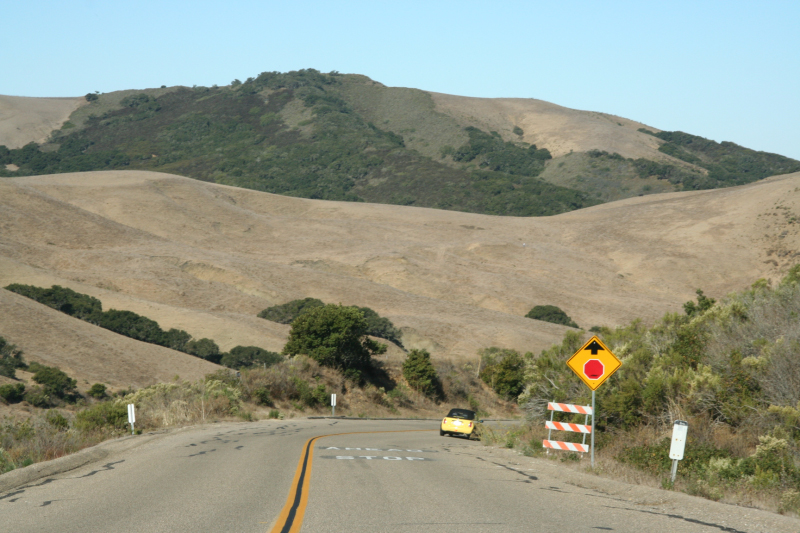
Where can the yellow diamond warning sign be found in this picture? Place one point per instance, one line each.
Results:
(594, 363)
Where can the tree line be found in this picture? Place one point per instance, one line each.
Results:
(141, 328)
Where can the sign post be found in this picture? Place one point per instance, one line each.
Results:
(679, 432)
(333, 405)
(594, 363)
(592, 429)
(131, 416)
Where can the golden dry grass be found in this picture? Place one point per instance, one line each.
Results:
(24, 120)
(207, 258)
(559, 129)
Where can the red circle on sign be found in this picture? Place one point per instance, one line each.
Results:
(593, 369)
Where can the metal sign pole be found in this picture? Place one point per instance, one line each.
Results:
(593, 429)
(594, 363)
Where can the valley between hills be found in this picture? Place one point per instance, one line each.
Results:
(207, 258)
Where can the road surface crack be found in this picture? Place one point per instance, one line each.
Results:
(680, 517)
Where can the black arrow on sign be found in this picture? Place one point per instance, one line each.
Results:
(595, 347)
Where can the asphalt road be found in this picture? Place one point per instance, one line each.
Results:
(363, 476)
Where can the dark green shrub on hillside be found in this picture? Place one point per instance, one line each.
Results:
(62, 299)
(334, 336)
(262, 396)
(176, 339)
(294, 79)
(249, 356)
(646, 168)
(98, 391)
(504, 371)
(551, 313)
(10, 359)
(792, 277)
(311, 396)
(492, 153)
(604, 155)
(131, 325)
(420, 374)
(102, 415)
(57, 420)
(204, 349)
(288, 312)
(56, 382)
(12, 392)
(704, 303)
(377, 326)
(727, 163)
(38, 397)
(71, 156)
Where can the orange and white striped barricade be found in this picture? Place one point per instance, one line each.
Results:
(584, 428)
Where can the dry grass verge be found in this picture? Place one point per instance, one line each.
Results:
(710, 468)
(43, 436)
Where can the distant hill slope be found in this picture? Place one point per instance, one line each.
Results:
(346, 137)
(89, 353)
(24, 120)
(207, 258)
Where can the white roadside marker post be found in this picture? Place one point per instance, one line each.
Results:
(333, 405)
(679, 431)
(131, 416)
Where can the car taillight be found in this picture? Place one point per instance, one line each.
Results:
(470, 424)
(444, 421)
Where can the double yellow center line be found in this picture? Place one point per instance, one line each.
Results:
(291, 518)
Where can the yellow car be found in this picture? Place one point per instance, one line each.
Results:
(460, 422)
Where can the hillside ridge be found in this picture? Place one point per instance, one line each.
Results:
(346, 137)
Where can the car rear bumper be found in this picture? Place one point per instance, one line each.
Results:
(451, 428)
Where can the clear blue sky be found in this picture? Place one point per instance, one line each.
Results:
(724, 70)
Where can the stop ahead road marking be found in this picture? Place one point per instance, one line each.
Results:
(374, 457)
(291, 518)
(376, 449)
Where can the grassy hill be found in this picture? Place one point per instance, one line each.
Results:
(346, 137)
(207, 258)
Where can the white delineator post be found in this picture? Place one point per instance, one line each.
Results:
(333, 405)
(131, 416)
(679, 431)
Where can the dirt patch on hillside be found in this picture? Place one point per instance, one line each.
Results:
(24, 120)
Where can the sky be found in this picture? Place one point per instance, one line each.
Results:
(727, 71)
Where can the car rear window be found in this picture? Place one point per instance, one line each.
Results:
(464, 414)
